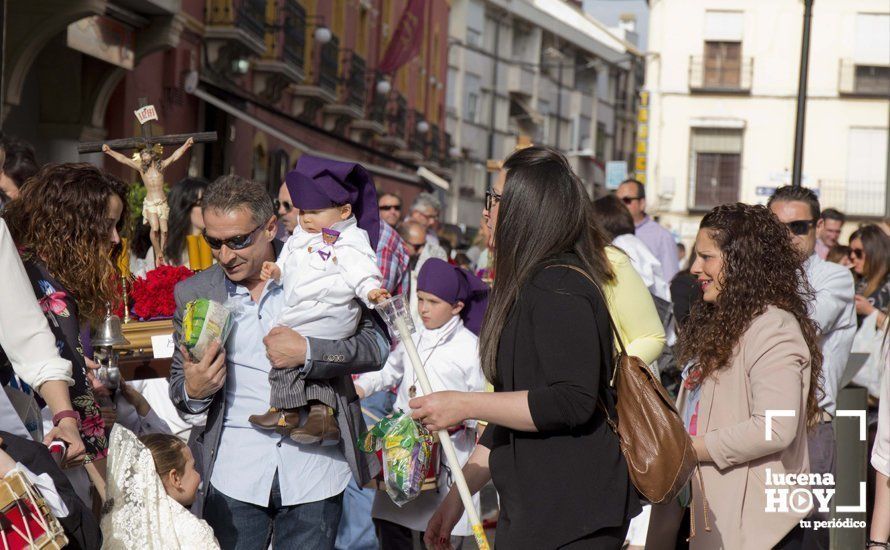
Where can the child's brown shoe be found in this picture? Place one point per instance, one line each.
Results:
(320, 427)
(280, 420)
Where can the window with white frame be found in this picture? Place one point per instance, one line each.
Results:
(715, 167)
(475, 23)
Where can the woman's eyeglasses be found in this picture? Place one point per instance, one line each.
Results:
(238, 242)
(800, 227)
(491, 198)
(857, 253)
(389, 207)
(282, 204)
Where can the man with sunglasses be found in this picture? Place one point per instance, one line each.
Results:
(833, 310)
(390, 206)
(259, 486)
(288, 216)
(659, 240)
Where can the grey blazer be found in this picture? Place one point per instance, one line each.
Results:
(333, 361)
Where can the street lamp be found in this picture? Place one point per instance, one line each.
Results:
(383, 86)
(322, 35)
(423, 127)
(796, 172)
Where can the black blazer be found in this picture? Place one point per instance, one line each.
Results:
(80, 526)
(569, 479)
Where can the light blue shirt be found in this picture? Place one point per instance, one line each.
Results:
(248, 458)
(662, 244)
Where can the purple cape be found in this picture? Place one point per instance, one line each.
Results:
(317, 183)
(453, 284)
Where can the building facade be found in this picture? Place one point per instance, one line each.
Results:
(722, 97)
(273, 78)
(542, 70)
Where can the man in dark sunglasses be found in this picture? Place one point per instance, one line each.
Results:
(239, 500)
(288, 216)
(390, 206)
(833, 309)
(658, 239)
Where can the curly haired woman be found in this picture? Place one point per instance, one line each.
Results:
(66, 226)
(749, 348)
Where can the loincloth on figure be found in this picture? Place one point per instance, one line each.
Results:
(158, 207)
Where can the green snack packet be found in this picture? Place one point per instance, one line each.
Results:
(406, 450)
(204, 321)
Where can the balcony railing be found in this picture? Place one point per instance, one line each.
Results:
(397, 117)
(725, 76)
(355, 82)
(249, 15)
(435, 141)
(853, 198)
(329, 64)
(418, 140)
(377, 106)
(863, 79)
(294, 46)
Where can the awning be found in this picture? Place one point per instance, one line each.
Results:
(416, 178)
(433, 178)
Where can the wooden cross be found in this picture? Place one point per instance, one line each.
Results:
(146, 140)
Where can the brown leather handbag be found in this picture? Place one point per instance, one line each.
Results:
(653, 439)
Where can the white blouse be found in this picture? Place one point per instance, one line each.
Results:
(24, 332)
(880, 455)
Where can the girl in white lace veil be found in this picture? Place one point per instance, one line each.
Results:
(148, 494)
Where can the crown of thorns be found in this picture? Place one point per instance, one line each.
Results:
(155, 149)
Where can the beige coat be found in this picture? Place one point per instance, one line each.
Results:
(770, 369)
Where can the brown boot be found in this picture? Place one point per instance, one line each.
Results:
(280, 420)
(320, 427)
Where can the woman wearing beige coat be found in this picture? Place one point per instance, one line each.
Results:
(749, 348)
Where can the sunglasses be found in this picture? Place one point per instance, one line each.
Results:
(629, 200)
(389, 207)
(856, 253)
(282, 204)
(491, 198)
(800, 227)
(238, 242)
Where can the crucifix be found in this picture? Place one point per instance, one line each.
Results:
(149, 162)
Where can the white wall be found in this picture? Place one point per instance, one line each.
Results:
(771, 37)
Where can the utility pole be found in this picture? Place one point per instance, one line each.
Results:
(802, 94)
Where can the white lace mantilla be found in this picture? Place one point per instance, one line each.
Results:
(138, 512)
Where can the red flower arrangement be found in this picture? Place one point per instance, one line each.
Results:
(152, 295)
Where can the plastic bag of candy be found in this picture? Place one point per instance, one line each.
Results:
(205, 321)
(406, 447)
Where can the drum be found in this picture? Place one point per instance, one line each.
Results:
(25, 518)
(431, 476)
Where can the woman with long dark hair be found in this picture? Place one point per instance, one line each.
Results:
(186, 218)
(546, 345)
(749, 348)
(870, 254)
(66, 225)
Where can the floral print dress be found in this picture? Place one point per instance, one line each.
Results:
(61, 314)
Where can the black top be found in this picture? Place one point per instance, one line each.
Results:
(80, 526)
(685, 293)
(569, 479)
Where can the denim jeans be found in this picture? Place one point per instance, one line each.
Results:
(356, 528)
(244, 526)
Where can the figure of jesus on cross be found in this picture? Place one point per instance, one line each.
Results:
(155, 211)
(149, 162)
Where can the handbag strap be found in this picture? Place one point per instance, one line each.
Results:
(608, 314)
